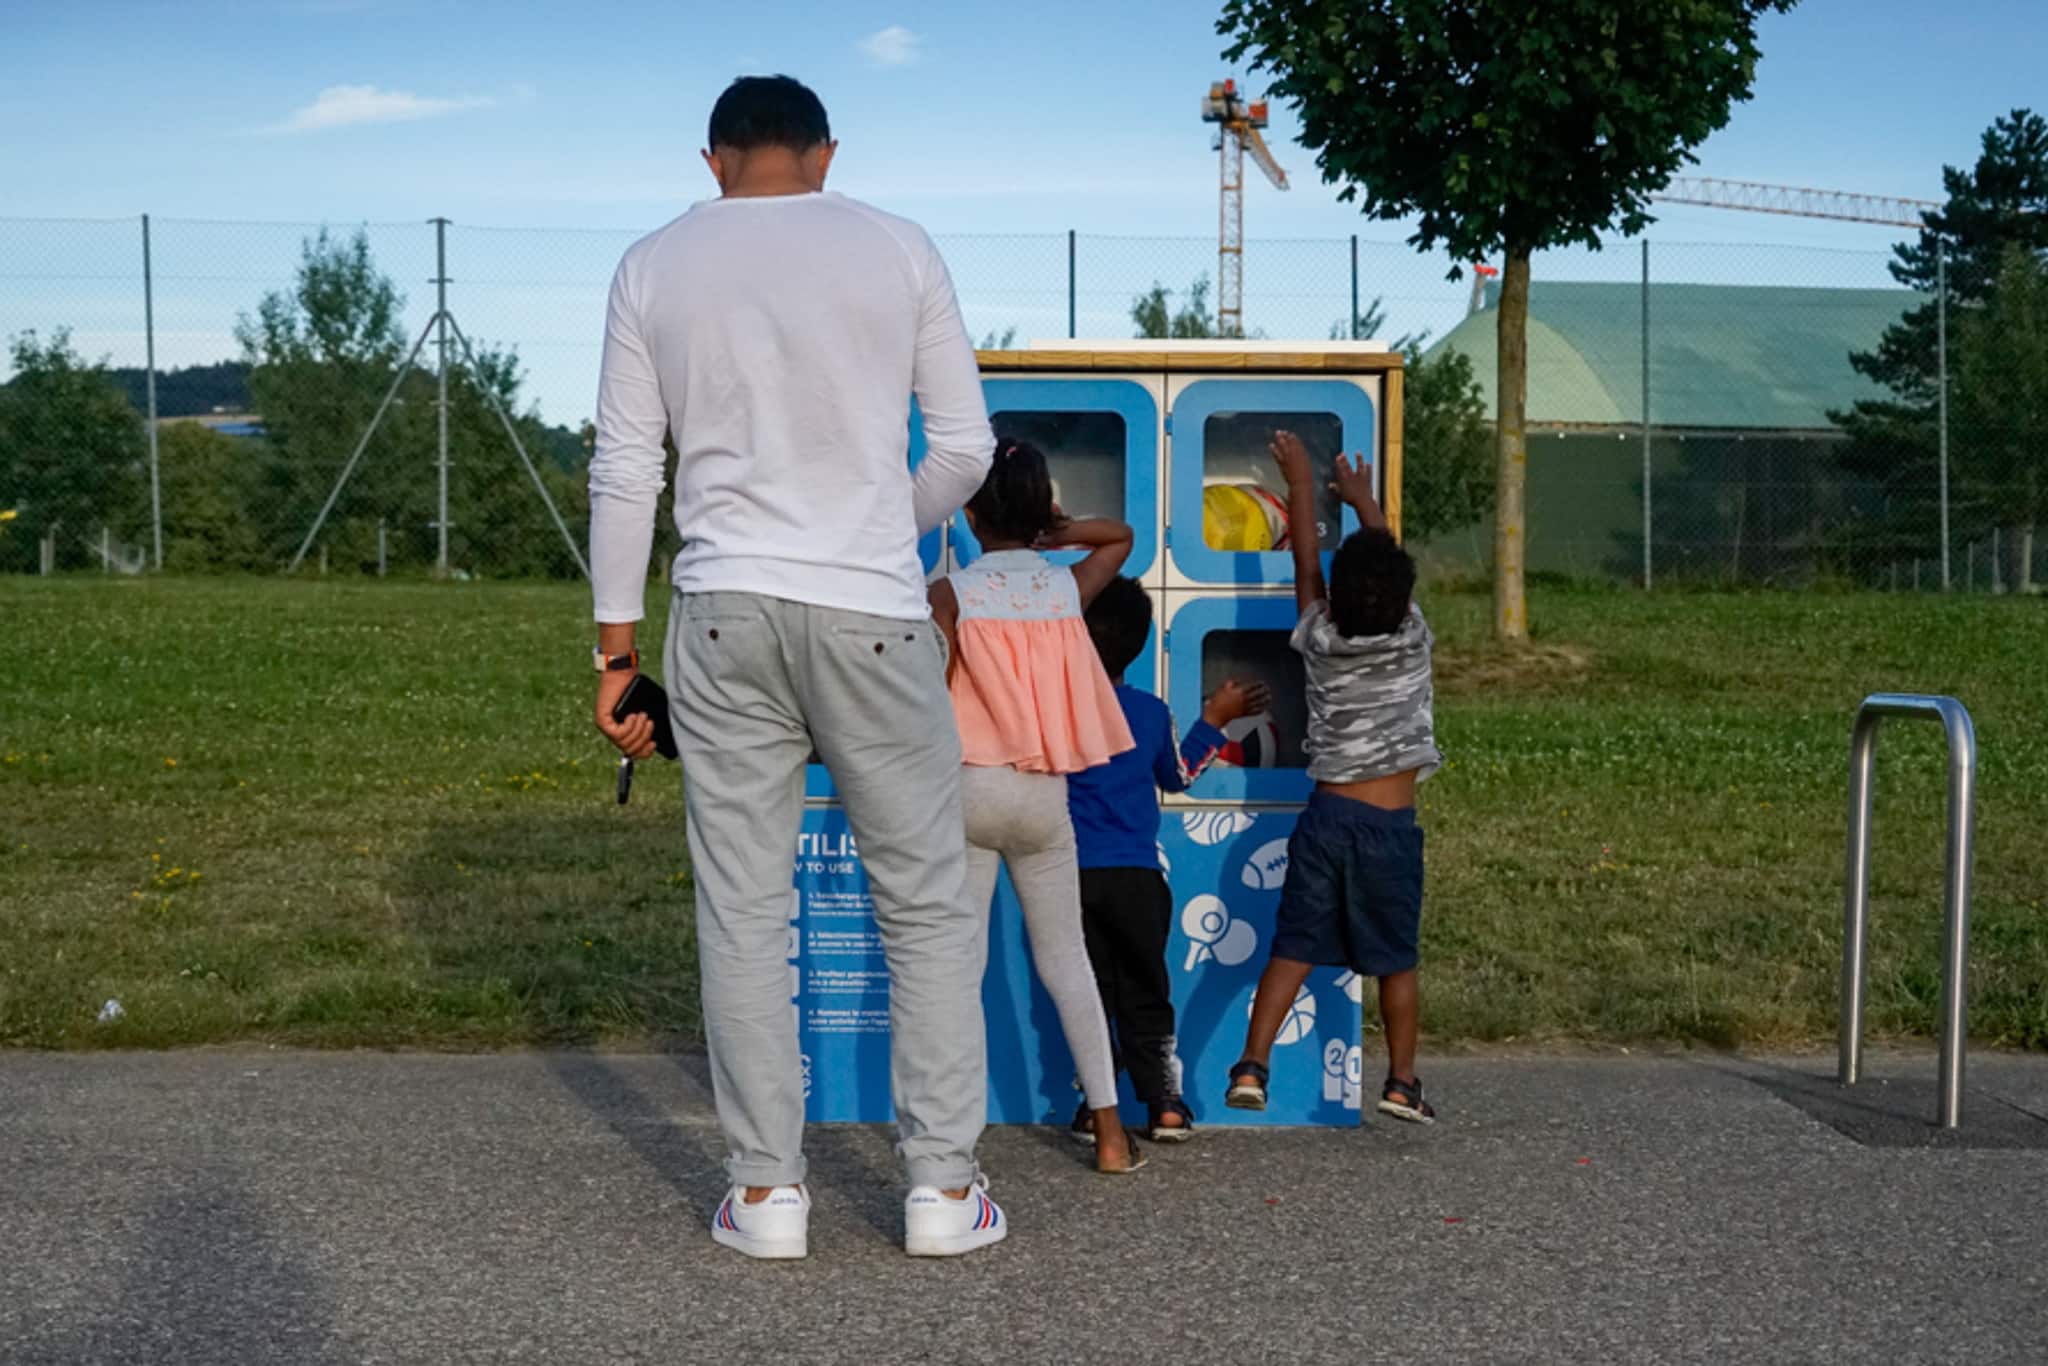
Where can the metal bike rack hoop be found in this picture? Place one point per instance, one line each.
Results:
(1962, 783)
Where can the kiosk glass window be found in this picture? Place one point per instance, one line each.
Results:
(1263, 656)
(1244, 498)
(1084, 451)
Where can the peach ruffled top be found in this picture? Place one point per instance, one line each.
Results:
(1028, 688)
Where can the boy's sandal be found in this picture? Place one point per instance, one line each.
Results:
(1159, 1131)
(1082, 1130)
(1248, 1095)
(1403, 1100)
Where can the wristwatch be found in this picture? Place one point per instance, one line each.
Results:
(626, 663)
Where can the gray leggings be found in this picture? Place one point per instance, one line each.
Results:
(1020, 819)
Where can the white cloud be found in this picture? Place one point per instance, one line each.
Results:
(341, 105)
(892, 46)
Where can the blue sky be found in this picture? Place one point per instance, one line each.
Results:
(973, 118)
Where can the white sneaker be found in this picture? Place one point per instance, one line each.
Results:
(778, 1227)
(935, 1225)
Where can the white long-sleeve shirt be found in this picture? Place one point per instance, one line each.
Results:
(779, 340)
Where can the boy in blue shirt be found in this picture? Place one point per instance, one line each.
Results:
(1126, 908)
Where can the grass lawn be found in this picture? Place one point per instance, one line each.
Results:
(378, 814)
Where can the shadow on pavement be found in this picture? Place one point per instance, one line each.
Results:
(203, 1280)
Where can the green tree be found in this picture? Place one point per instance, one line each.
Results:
(1447, 475)
(500, 526)
(71, 455)
(209, 483)
(1503, 128)
(1154, 315)
(1999, 412)
(1997, 204)
(324, 353)
(998, 341)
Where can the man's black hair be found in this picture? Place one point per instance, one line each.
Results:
(768, 111)
(1119, 622)
(1372, 580)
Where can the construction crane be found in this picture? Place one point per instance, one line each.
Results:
(1795, 201)
(1238, 123)
(1749, 196)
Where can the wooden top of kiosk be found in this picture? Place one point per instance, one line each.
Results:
(1252, 357)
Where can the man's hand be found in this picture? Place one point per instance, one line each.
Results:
(1353, 484)
(635, 735)
(1234, 700)
(1292, 458)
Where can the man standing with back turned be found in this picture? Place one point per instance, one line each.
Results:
(778, 333)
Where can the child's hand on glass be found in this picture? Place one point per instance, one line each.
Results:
(1292, 458)
(1353, 484)
(1235, 700)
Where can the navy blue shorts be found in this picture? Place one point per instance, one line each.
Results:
(1353, 895)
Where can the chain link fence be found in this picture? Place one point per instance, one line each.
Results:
(1697, 412)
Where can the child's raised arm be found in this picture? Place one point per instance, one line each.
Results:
(1108, 543)
(1292, 458)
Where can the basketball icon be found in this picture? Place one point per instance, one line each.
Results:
(1214, 827)
(1352, 985)
(1266, 869)
(1301, 1017)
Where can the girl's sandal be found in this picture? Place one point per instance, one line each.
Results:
(1159, 1131)
(1082, 1130)
(1248, 1095)
(1135, 1162)
(1403, 1100)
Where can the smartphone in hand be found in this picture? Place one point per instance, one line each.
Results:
(648, 697)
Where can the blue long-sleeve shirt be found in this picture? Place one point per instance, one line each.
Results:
(1115, 806)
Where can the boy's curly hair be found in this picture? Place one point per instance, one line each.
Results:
(1372, 581)
(1119, 622)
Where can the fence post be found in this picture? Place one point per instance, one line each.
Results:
(156, 493)
(1354, 286)
(1071, 318)
(1647, 556)
(441, 381)
(1941, 374)
(381, 561)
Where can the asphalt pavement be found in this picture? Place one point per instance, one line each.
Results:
(269, 1206)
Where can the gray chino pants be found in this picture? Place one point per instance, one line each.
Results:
(754, 681)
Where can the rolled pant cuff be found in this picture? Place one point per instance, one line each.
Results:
(947, 1175)
(766, 1173)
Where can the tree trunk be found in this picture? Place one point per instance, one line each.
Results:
(1510, 598)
